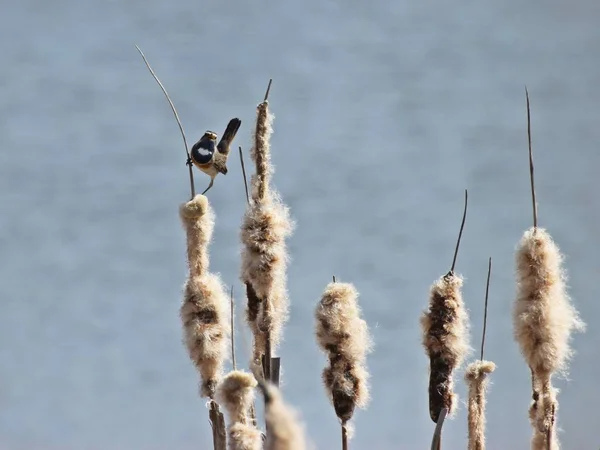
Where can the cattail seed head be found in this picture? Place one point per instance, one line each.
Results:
(236, 393)
(343, 335)
(265, 227)
(205, 317)
(543, 315)
(244, 437)
(205, 308)
(476, 378)
(198, 220)
(261, 152)
(285, 430)
(445, 328)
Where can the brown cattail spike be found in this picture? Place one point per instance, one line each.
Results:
(344, 336)
(445, 338)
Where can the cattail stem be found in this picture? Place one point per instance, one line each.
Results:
(232, 330)
(217, 422)
(268, 90)
(485, 308)
(462, 226)
(344, 436)
(244, 175)
(436, 441)
(531, 177)
(187, 152)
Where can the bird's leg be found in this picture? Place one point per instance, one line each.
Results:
(209, 186)
(188, 162)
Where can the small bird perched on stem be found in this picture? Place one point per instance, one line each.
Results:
(210, 157)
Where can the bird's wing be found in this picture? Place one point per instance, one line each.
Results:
(232, 128)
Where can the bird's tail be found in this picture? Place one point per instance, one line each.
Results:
(232, 128)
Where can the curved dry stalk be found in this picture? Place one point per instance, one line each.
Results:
(187, 152)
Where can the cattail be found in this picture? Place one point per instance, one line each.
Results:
(236, 394)
(445, 328)
(543, 318)
(446, 341)
(285, 430)
(265, 227)
(344, 336)
(205, 309)
(476, 378)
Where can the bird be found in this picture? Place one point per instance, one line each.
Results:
(210, 157)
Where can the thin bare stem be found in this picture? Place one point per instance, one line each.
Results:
(268, 89)
(244, 174)
(344, 436)
(232, 330)
(462, 226)
(485, 309)
(334, 278)
(187, 152)
(531, 177)
(437, 434)
(268, 356)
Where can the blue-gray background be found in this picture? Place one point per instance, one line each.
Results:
(385, 112)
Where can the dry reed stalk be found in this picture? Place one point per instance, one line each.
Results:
(476, 378)
(445, 330)
(265, 227)
(236, 394)
(344, 337)
(543, 318)
(164, 90)
(285, 429)
(204, 311)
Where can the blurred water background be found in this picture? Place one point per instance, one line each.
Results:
(385, 113)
